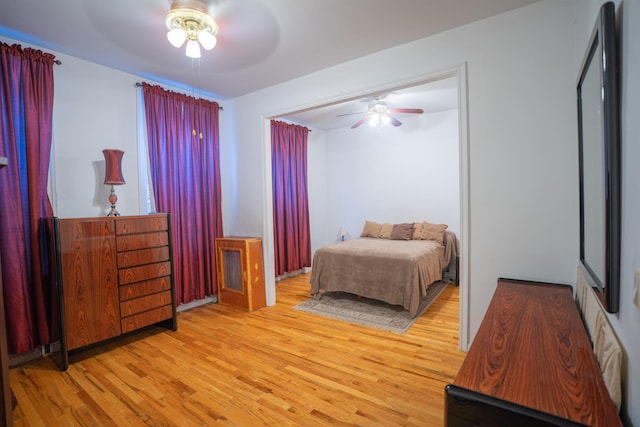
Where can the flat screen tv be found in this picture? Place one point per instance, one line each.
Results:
(599, 151)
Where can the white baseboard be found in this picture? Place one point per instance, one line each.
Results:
(197, 303)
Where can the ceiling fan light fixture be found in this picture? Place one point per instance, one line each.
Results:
(378, 114)
(177, 37)
(189, 20)
(193, 49)
(206, 39)
(378, 107)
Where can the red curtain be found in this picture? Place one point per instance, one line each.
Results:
(26, 110)
(290, 197)
(183, 138)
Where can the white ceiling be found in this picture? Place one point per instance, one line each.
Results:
(260, 42)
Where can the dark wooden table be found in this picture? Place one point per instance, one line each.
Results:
(531, 363)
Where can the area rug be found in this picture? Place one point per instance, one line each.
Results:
(368, 312)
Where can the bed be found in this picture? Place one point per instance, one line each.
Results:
(396, 271)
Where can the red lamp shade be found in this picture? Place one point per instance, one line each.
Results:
(113, 167)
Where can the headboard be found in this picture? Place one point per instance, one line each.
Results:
(606, 346)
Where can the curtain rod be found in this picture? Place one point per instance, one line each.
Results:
(291, 123)
(138, 84)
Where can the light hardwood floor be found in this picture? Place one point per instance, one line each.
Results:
(274, 366)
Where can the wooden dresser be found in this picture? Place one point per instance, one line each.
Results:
(531, 364)
(6, 408)
(114, 275)
(240, 272)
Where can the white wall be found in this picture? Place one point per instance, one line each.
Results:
(395, 174)
(94, 108)
(627, 321)
(319, 207)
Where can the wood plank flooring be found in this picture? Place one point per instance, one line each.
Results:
(274, 366)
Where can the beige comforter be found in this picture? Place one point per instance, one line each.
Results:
(398, 272)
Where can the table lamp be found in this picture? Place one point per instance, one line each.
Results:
(342, 233)
(113, 175)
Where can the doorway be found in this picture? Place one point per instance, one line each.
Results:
(327, 111)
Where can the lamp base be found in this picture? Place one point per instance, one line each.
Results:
(113, 199)
(113, 211)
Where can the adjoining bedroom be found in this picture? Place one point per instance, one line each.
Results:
(408, 173)
(393, 156)
(319, 212)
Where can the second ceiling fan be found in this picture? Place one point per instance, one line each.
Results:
(379, 113)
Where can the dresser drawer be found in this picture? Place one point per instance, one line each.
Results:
(141, 224)
(132, 242)
(131, 323)
(146, 287)
(144, 272)
(146, 303)
(142, 256)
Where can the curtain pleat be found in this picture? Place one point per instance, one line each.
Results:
(26, 110)
(290, 197)
(183, 138)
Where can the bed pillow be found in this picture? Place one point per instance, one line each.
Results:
(385, 231)
(371, 229)
(417, 230)
(433, 232)
(402, 231)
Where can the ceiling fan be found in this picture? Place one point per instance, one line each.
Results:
(378, 113)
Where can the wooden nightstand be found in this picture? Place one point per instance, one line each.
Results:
(240, 272)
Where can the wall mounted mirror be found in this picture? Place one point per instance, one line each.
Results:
(599, 151)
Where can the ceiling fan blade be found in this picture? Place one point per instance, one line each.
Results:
(359, 122)
(406, 110)
(351, 114)
(394, 121)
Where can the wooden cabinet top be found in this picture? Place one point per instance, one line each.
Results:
(111, 218)
(532, 350)
(235, 238)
